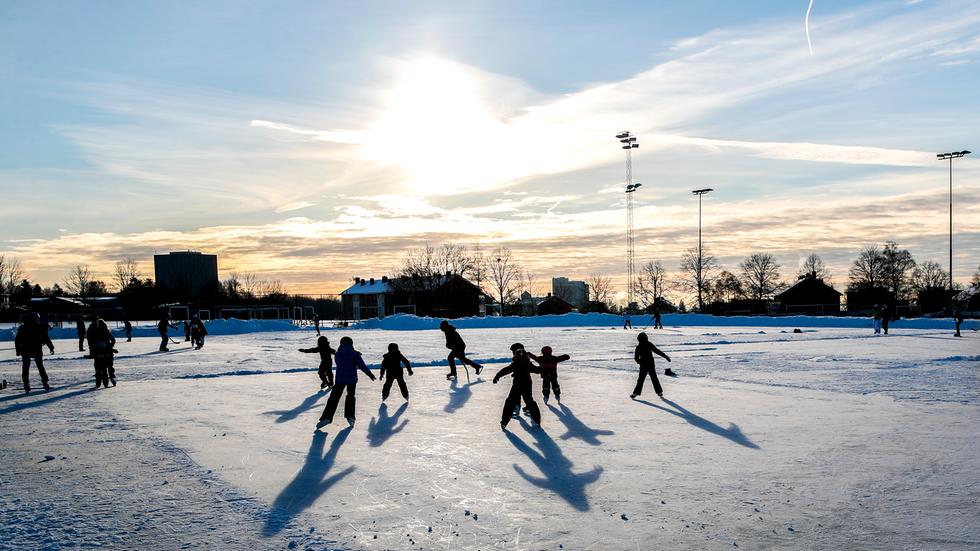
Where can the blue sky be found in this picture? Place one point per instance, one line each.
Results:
(313, 141)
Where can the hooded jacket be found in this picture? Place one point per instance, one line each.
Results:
(348, 362)
(520, 369)
(30, 339)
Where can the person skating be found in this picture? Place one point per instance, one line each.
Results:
(457, 350)
(549, 372)
(391, 365)
(325, 370)
(627, 322)
(198, 332)
(128, 327)
(958, 318)
(520, 370)
(885, 318)
(656, 319)
(643, 355)
(80, 330)
(349, 361)
(28, 344)
(316, 323)
(163, 327)
(100, 345)
(187, 331)
(876, 319)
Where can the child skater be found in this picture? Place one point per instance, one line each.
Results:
(644, 356)
(391, 365)
(520, 369)
(100, 345)
(457, 350)
(549, 372)
(326, 361)
(349, 361)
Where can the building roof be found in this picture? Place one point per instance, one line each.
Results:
(369, 287)
(807, 285)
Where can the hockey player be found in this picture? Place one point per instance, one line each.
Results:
(80, 331)
(100, 345)
(520, 369)
(129, 330)
(457, 350)
(316, 323)
(28, 344)
(549, 372)
(643, 354)
(198, 332)
(391, 365)
(163, 327)
(326, 361)
(349, 361)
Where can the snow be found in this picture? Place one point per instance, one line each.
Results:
(831, 438)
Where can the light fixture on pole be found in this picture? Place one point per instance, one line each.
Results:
(942, 157)
(629, 143)
(700, 193)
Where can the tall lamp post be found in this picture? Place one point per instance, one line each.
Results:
(700, 193)
(943, 157)
(629, 143)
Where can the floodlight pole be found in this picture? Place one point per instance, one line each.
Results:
(629, 143)
(943, 157)
(700, 193)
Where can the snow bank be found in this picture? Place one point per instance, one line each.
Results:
(407, 322)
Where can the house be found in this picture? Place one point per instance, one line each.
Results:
(575, 293)
(442, 296)
(810, 295)
(553, 305)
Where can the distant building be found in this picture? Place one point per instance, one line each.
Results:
(553, 306)
(441, 296)
(810, 295)
(575, 293)
(187, 274)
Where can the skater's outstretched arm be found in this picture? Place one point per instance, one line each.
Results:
(660, 353)
(562, 358)
(310, 350)
(503, 372)
(359, 362)
(408, 365)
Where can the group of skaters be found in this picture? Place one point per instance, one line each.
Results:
(521, 368)
(33, 336)
(194, 332)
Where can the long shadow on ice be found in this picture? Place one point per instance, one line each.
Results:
(556, 468)
(575, 428)
(459, 395)
(732, 433)
(56, 397)
(384, 426)
(309, 484)
(307, 404)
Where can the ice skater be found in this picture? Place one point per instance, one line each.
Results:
(549, 372)
(349, 361)
(457, 350)
(316, 323)
(198, 332)
(643, 355)
(876, 319)
(656, 319)
(520, 369)
(28, 344)
(627, 322)
(391, 365)
(80, 331)
(128, 327)
(957, 318)
(100, 345)
(327, 352)
(163, 327)
(886, 316)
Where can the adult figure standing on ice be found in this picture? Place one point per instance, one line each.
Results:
(643, 355)
(958, 319)
(627, 321)
(316, 323)
(876, 319)
(163, 327)
(457, 350)
(349, 361)
(656, 319)
(886, 316)
(129, 330)
(391, 365)
(28, 344)
(100, 345)
(80, 330)
(522, 389)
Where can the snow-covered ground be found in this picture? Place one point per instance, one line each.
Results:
(831, 438)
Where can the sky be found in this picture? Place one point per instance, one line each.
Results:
(312, 141)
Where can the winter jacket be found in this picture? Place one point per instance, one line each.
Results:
(549, 363)
(520, 369)
(30, 340)
(100, 341)
(644, 353)
(453, 340)
(392, 365)
(325, 352)
(348, 362)
(198, 326)
(80, 327)
(163, 326)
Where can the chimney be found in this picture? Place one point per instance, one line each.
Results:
(384, 279)
(372, 281)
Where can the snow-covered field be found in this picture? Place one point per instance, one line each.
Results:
(827, 439)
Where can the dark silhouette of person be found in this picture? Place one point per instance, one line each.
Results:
(627, 322)
(100, 343)
(187, 331)
(958, 318)
(520, 369)
(325, 371)
(163, 327)
(643, 355)
(549, 372)
(28, 344)
(391, 365)
(316, 323)
(656, 319)
(80, 330)
(457, 350)
(128, 327)
(349, 361)
(198, 332)
(886, 316)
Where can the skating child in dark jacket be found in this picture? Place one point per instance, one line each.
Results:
(391, 365)
(520, 369)
(457, 350)
(100, 345)
(549, 372)
(326, 361)
(349, 362)
(644, 356)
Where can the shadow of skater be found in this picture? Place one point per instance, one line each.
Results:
(384, 427)
(309, 483)
(57, 397)
(732, 433)
(459, 395)
(556, 468)
(575, 428)
(307, 404)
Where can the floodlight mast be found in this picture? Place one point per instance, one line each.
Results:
(944, 157)
(629, 143)
(700, 193)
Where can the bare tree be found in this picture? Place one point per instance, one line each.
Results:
(697, 268)
(868, 270)
(527, 281)
(929, 275)
(652, 283)
(126, 271)
(454, 258)
(976, 278)
(813, 265)
(78, 281)
(11, 273)
(420, 263)
(760, 275)
(898, 266)
(600, 288)
(270, 287)
(503, 273)
(728, 287)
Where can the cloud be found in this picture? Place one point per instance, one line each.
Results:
(289, 207)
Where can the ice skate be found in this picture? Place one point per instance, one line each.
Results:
(322, 423)
(350, 422)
